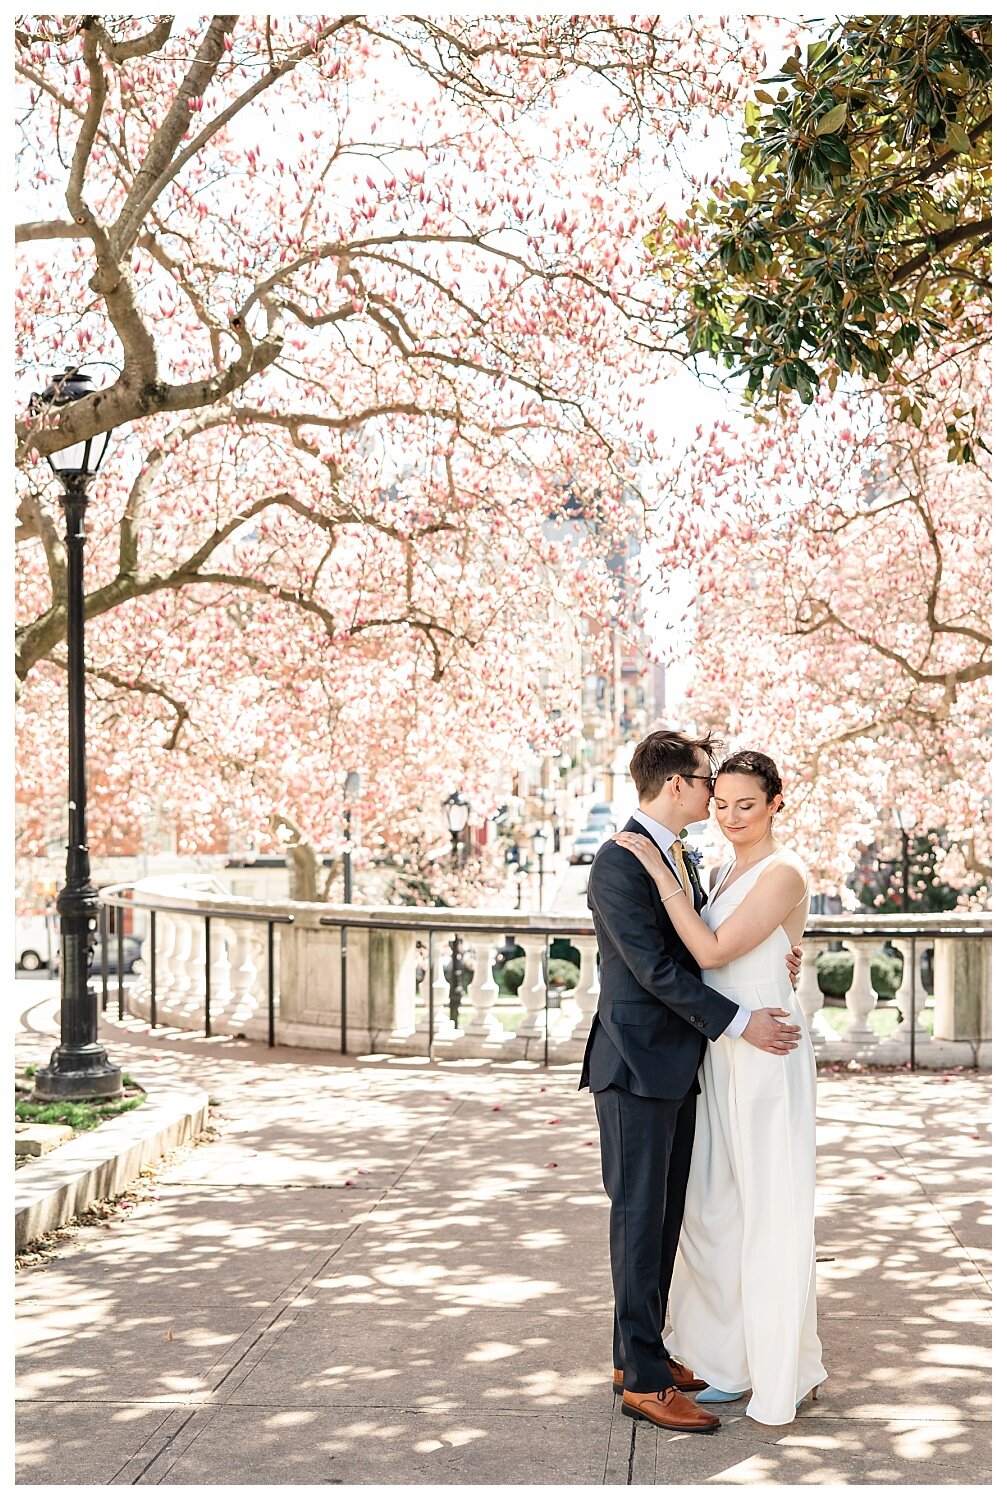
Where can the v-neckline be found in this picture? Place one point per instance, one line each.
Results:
(722, 885)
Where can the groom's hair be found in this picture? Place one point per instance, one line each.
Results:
(666, 753)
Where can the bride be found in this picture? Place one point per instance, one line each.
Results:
(750, 1204)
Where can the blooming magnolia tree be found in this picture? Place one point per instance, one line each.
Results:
(366, 294)
(843, 569)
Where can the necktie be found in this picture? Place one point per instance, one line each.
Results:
(679, 858)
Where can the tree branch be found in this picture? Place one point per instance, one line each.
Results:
(157, 168)
(973, 230)
(139, 685)
(141, 46)
(48, 229)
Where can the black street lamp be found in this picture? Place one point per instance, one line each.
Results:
(539, 840)
(351, 791)
(906, 820)
(79, 1067)
(456, 813)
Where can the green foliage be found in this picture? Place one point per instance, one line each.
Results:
(84, 1114)
(835, 974)
(861, 226)
(561, 973)
(883, 893)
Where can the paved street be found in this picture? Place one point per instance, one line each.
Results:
(387, 1272)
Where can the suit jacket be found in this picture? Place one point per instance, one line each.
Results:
(655, 1014)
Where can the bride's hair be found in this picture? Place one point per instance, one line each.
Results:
(754, 763)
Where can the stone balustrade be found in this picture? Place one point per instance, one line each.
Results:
(211, 942)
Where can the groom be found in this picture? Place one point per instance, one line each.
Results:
(647, 1041)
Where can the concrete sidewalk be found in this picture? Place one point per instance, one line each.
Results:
(383, 1272)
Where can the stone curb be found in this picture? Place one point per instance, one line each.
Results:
(51, 1189)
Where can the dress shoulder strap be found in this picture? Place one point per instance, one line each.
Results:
(722, 875)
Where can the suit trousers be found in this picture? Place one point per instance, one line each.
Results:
(646, 1151)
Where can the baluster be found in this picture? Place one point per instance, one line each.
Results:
(195, 967)
(167, 940)
(443, 1025)
(534, 993)
(484, 1026)
(137, 997)
(248, 966)
(910, 996)
(585, 996)
(178, 987)
(861, 999)
(220, 971)
(808, 996)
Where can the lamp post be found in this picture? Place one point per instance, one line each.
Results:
(906, 820)
(456, 814)
(539, 840)
(79, 1067)
(351, 791)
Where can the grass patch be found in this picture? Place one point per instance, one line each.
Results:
(79, 1114)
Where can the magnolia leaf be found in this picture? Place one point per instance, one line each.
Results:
(831, 121)
(958, 140)
(935, 218)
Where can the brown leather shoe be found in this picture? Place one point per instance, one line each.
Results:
(681, 1377)
(669, 1409)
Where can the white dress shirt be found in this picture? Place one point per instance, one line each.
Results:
(664, 838)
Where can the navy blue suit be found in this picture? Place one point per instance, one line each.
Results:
(655, 1016)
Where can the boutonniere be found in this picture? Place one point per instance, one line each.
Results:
(691, 854)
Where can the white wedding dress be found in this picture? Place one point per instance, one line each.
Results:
(742, 1301)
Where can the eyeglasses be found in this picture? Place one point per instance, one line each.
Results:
(708, 779)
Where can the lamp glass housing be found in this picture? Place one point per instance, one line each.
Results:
(539, 842)
(80, 460)
(456, 811)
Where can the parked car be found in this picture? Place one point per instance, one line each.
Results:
(600, 822)
(132, 962)
(601, 809)
(36, 942)
(587, 844)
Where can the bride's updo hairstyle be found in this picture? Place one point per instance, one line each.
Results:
(754, 763)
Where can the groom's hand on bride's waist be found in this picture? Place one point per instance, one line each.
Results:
(794, 963)
(769, 1034)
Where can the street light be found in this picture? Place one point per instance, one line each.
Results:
(456, 815)
(351, 791)
(79, 1067)
(906, 819)
(539, 840)
(520, 871)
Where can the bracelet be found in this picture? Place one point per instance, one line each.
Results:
(679, 892)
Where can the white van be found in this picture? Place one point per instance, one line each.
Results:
(36, 942)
